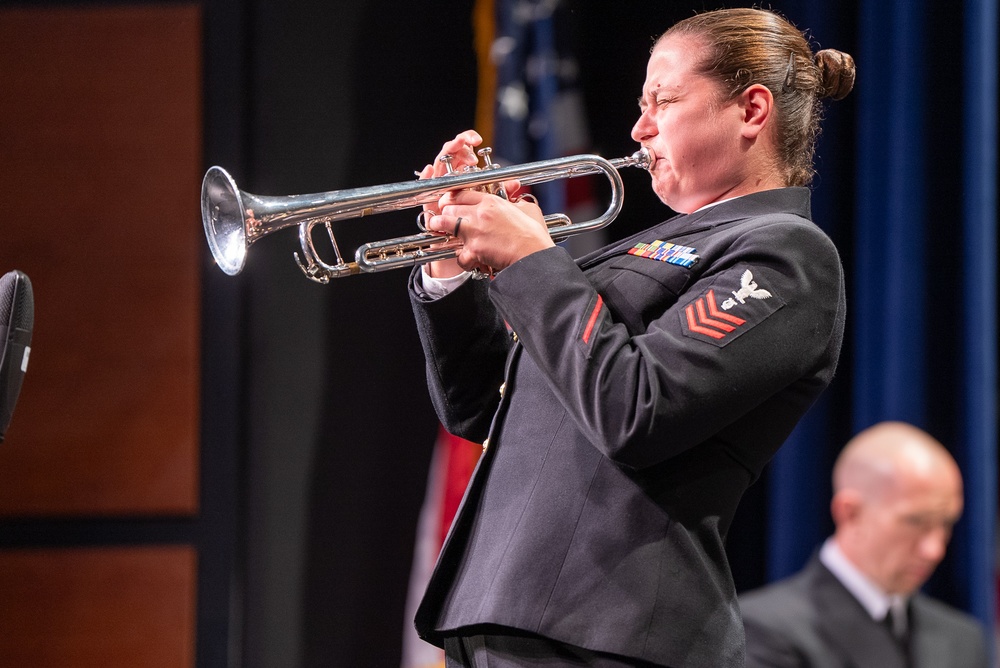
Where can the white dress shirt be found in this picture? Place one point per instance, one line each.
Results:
(870, 595)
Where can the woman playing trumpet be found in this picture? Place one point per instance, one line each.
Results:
(627, 399)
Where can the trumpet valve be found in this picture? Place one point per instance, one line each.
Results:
(484, 153)
(492, 188)
(446, 159)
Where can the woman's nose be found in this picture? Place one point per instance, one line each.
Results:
(643, 128)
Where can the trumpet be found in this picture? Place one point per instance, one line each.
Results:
(234, 219)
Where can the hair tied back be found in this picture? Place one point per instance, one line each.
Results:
(837, 73)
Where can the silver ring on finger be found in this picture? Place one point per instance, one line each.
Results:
(458, 226)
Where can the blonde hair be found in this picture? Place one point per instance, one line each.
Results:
(756, 46)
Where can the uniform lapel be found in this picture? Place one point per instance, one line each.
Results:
(621, 247)
(862, 642)
(792, 200)
(929, 645)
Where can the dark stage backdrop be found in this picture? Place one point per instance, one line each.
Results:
(323, 387)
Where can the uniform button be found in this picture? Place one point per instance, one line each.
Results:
(486, 444)
(503, 387)
(513, 335)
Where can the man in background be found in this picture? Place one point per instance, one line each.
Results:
(897, 495)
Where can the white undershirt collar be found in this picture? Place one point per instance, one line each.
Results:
(870, 595)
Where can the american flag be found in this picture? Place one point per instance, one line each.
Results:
(530, 109)
(539, 106)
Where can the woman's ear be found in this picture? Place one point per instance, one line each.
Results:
(757, 103)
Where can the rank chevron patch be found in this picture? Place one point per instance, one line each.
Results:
(703, 317)
(737, 302)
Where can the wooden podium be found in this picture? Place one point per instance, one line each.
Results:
(100, 151)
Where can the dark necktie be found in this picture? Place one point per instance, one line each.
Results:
(902, 639)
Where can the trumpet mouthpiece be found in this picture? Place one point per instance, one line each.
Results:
(644, 158)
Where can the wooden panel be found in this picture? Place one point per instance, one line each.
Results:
(100, 151)
(97, 607)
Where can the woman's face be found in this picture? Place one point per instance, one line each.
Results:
(695, 136)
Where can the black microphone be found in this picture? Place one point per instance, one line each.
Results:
(17, 318)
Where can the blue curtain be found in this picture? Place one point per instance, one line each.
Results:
(797, 517)
(975, 548)
(919, 246)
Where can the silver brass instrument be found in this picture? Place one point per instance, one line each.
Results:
(235, 219)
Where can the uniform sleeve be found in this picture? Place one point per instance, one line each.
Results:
(465, 344)
(756, 320)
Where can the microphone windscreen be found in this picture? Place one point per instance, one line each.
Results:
(17, 319)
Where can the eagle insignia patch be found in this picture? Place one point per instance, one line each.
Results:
(748, 290)
(736, 302)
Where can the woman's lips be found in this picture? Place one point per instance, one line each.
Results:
(652, 158)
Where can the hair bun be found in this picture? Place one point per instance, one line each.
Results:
(837, 73)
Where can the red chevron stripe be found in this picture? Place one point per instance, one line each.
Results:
(593, 319)
(710, 320)
(705, 320)
(695, 327)
(714, 311)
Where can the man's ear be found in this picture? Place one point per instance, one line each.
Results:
(757, 104)
(845, 507)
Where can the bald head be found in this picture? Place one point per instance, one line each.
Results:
(897, 494)
(889, 454)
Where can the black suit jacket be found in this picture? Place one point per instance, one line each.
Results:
(628, 402)
(811, 620)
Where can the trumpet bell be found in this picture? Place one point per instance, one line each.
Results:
(222, 214)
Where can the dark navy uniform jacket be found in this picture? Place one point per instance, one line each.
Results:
(810, 620)
(628, 403)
